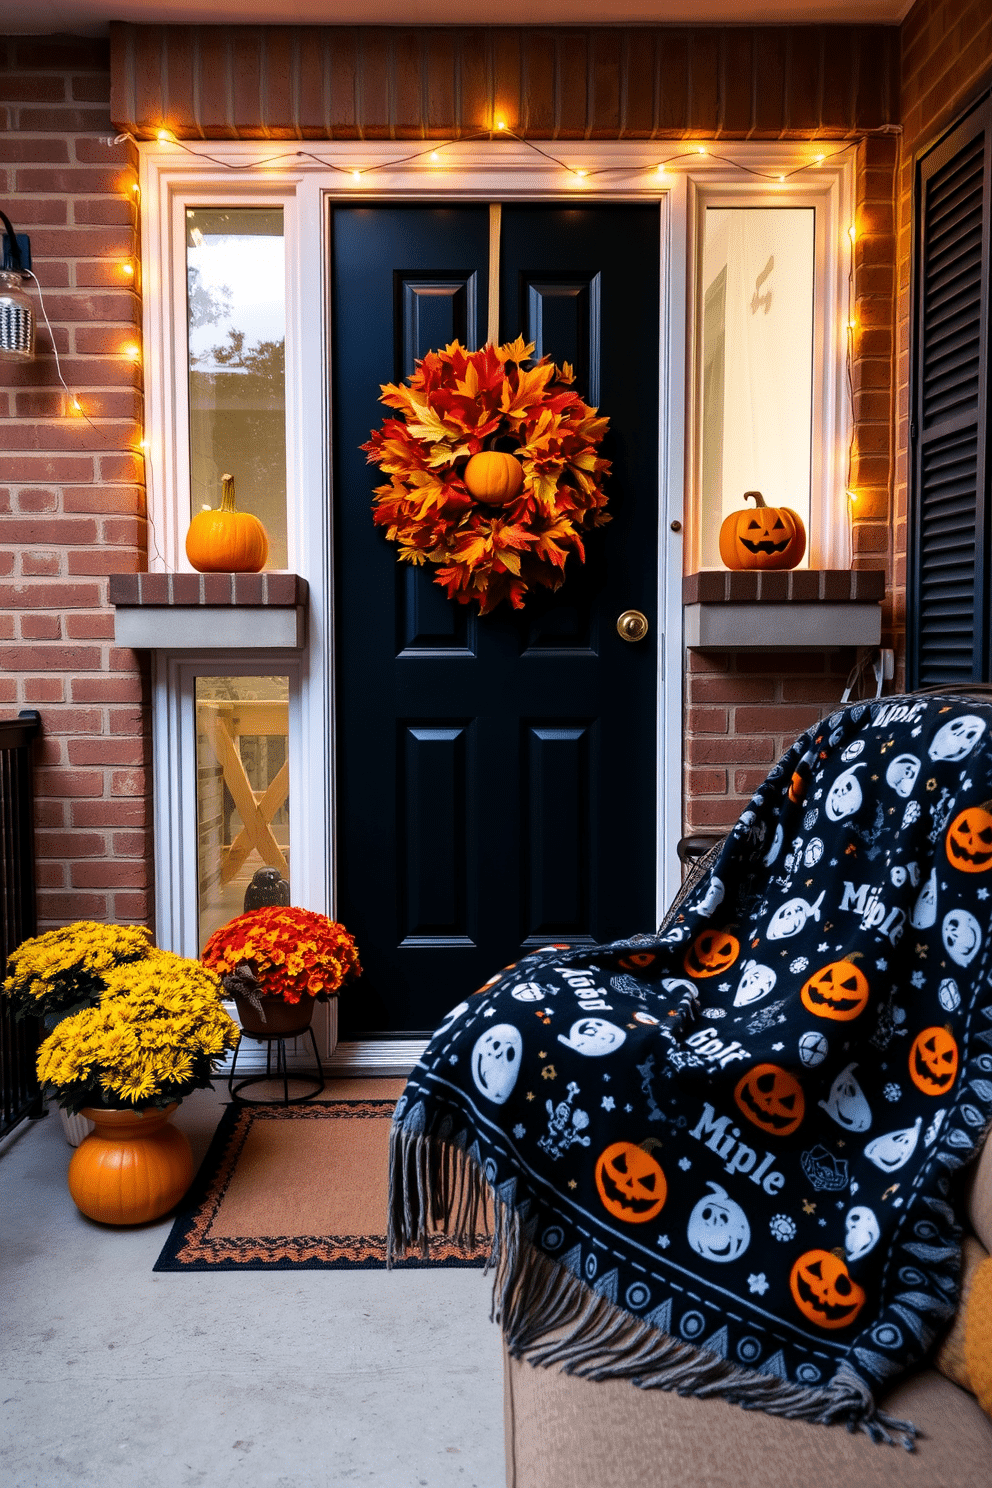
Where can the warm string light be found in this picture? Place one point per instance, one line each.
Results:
(432, 154)
(166, 136)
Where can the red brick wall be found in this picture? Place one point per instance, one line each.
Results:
(71, 494)
(946, 60)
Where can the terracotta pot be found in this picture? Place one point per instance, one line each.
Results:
(281, 1020)
(133, 1167)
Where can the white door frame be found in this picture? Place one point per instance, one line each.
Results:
(173, 176)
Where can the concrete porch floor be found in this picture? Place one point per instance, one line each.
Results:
(118, 1377)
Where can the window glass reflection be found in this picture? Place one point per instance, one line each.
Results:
(242, 790)
(235, 281)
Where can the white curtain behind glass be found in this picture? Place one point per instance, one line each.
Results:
(757, 362)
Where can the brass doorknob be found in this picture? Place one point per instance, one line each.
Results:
(632, 626)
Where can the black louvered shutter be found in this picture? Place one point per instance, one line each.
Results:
(948, 599)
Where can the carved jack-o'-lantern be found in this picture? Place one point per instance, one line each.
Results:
(711, 952)
(631, 1183)
(823, 1291)
(933, 1061)
(768, 537)
(772, 1098)
(838, 991)
(969, 840)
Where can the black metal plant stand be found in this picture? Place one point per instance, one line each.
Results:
(279, 1039)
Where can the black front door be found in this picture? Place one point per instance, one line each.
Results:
(495, 776)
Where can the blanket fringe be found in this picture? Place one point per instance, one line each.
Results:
(553, 1318)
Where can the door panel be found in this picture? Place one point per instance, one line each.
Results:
(433, 310)
(562, 318)
(496, 775)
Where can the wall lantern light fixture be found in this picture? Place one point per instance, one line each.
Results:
(16, 310)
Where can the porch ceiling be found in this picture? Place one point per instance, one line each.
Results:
(92, 17)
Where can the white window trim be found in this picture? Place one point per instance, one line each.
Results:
(173, 177)
(829, 191)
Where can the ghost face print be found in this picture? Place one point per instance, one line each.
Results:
(528, 992)
(846, 1103)
(895, 1148)
(712, 899)
(902, 773)
(756, 983)
(450, 1018)
(925, 909)
(957, 738)
(962, 936)
(496, 1062)
(718, 1227)
(862, 1232)
(790, 918)
(845, 797)
(593, 1036)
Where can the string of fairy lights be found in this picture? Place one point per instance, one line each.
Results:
(437, 153)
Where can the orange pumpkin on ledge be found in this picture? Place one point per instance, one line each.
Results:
(226, 540)
(768, 537)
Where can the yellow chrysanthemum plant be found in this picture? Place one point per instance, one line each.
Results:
(156, 1034)
(64, 970)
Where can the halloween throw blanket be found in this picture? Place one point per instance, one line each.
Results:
(722, 1158)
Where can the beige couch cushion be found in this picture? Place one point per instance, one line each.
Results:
(564, 1432)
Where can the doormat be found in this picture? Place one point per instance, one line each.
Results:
(300, 1187)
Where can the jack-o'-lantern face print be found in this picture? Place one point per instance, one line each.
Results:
(637, 960)
(711, 953)
(823, 1291)
(933, 1061)
(838, 991)
(631, 1183)
(772, 1099)
(969, 841)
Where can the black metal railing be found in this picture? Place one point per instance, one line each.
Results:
(19, 1093)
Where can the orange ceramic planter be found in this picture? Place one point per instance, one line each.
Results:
(132, 1168)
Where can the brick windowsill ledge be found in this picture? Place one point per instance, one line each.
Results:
(214, 611)
(760, 609)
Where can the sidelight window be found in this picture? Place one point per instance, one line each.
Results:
(242, 793)
(769, 402)
(236, 338)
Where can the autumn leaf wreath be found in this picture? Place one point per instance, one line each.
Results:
(493, 472)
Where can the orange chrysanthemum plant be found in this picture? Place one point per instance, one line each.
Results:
(279, 951)
(458, 405)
